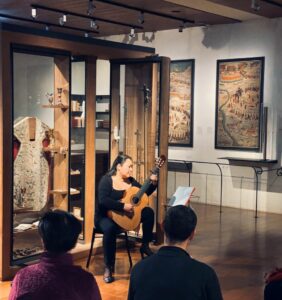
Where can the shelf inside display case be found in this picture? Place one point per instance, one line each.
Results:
(61, 106)
(60, 192)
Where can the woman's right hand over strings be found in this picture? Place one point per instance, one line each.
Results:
(128, 207)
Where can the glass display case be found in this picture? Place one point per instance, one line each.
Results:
(40, 145)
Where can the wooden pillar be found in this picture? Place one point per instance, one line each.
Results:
(90, 146)
(163, 142)
(115, 109)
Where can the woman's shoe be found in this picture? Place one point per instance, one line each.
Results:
(145, 250)
(108, 276)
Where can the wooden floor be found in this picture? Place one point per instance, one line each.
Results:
(239, 247)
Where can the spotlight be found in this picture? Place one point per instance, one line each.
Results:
(94, 25)
(255, 5)
(132, 33)
(141, 18)
(86, 34)
(63, 20)
(47, 28)
(33, 13)
(91, 7)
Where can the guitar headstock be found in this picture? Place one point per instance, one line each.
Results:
(159, 162)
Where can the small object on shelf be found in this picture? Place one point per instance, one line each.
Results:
(75, 172)
(74, 191)
(50, 134)
(50, 97)
(106, 124)
(77, 122)
(59, 99)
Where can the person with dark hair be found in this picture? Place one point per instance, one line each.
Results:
(273, 287)
(55, 277)
(110, 191)
(172, 273)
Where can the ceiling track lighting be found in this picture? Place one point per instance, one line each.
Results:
(45, 24)
(132, 33)
(91, 8)
(38, 6)
(147, 11)
(93, 24)
(141, 18)
(33, 13)
(63, 20)
(255, 5)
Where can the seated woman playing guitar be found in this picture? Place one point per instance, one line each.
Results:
(111, 190)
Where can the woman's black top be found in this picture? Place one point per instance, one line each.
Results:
(109, 198)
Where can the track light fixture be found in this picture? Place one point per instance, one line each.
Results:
(94, 25)
(33, 13)
(91, 8)
(63, 20)
(132, 33)
(47, 27)
(183, 26)
(141, 18)
(86, 34)
(255, 5)
(44, 23)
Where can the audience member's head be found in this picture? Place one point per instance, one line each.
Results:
(179, 224)
(59, 231)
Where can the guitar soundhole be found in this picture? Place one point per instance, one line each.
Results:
(135, 200)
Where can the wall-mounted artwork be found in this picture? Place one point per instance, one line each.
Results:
(181, 103)
(239, 98)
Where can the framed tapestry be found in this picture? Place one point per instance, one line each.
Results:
(239, 98)
(181, 103)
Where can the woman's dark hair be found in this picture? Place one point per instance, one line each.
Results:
(121, 158)
(59, 231)
(179, 223)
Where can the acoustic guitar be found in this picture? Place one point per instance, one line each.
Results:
(137, 197)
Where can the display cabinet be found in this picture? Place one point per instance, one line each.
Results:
(37, 112)
(40, 144)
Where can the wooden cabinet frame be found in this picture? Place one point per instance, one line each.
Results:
(164, 65)
(90, 49)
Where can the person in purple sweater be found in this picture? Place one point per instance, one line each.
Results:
(55, 276)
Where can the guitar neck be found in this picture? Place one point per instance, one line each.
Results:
(143, 188)
(146, 184)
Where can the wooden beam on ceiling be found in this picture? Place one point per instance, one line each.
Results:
(217, 9)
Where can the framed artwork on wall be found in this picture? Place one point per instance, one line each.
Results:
(181, 103)
(239, 98)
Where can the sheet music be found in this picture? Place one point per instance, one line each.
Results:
(181, 196)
